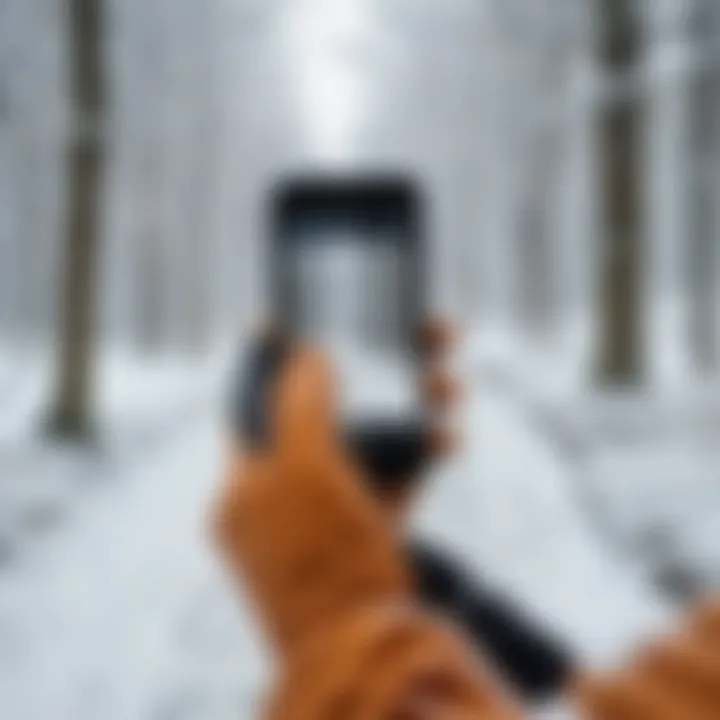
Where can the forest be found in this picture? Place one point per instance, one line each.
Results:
(570, 156)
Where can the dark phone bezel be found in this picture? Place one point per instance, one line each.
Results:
(393, 194)
(391, 452)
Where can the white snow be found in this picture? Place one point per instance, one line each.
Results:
(111, 603)
(116, 608)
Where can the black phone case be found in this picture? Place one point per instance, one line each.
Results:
(389, 452)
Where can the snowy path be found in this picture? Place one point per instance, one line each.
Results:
(122, 613)
(94, 619)
(509, 505)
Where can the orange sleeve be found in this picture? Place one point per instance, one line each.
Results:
(329, 581)
(333, 591)
(308, 544)
(389, 661)
(673, 678)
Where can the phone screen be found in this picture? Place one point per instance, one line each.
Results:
(347, 282)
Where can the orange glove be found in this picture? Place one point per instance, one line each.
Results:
(296, 522)
(675, 679)
(320, 560)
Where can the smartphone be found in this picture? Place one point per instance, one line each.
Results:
(347, 275)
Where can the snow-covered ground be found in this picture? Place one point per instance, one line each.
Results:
(141, 405)
(644, 462)
(510, 504)
(112, 605)
(115, 612)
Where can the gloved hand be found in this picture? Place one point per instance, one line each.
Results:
(296, 520)
(297, 523)
(674, 679)
(393, 456)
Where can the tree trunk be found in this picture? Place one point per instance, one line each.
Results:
(538, 294)
(71, 415)
(150, 289)
(620, 361)
(703, 251)
(199, 241)
(537, 290)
